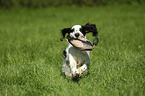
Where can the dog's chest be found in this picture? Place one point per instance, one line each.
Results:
(79, 56)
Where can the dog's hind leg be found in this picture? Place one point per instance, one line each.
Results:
(66, 68)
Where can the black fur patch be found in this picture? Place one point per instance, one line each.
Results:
(64, 54)
(90, 28)
(66, 30)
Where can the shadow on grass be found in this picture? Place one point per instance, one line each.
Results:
(75, 79)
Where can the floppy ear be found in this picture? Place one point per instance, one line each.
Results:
(90, 28)
(64, 31)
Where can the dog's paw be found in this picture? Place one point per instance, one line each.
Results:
(83, 68)
(69, 76)
(76, 75)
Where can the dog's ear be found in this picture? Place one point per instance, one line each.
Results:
(64, 31)
(90, 28)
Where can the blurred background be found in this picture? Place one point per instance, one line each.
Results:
(56, 3)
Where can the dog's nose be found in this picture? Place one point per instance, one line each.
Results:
(77, 34)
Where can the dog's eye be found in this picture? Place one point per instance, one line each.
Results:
(80, 29)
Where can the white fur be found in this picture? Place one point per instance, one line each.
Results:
(76, 30)
(76, 61)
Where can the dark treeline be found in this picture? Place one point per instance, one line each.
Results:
(55, 3)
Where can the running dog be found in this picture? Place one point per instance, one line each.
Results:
(75, 61)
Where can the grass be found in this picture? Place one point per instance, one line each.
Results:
(31, 53)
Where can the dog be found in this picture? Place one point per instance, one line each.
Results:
(75, 61)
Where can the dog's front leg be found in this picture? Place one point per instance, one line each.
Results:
(83, 68)
(73, 65)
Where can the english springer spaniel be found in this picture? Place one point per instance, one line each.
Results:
(75, 61)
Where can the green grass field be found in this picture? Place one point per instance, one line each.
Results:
(31, 53)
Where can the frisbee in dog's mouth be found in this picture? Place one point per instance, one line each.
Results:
(81, 43)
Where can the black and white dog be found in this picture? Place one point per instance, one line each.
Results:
(75, 61)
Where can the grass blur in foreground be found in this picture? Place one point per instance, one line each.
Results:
(31, 53)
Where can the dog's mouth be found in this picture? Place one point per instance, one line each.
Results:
(80, 37)
(81, 43)
(71, 37)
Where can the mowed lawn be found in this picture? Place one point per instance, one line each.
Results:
(31, 52)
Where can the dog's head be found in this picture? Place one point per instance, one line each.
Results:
(79, 31)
